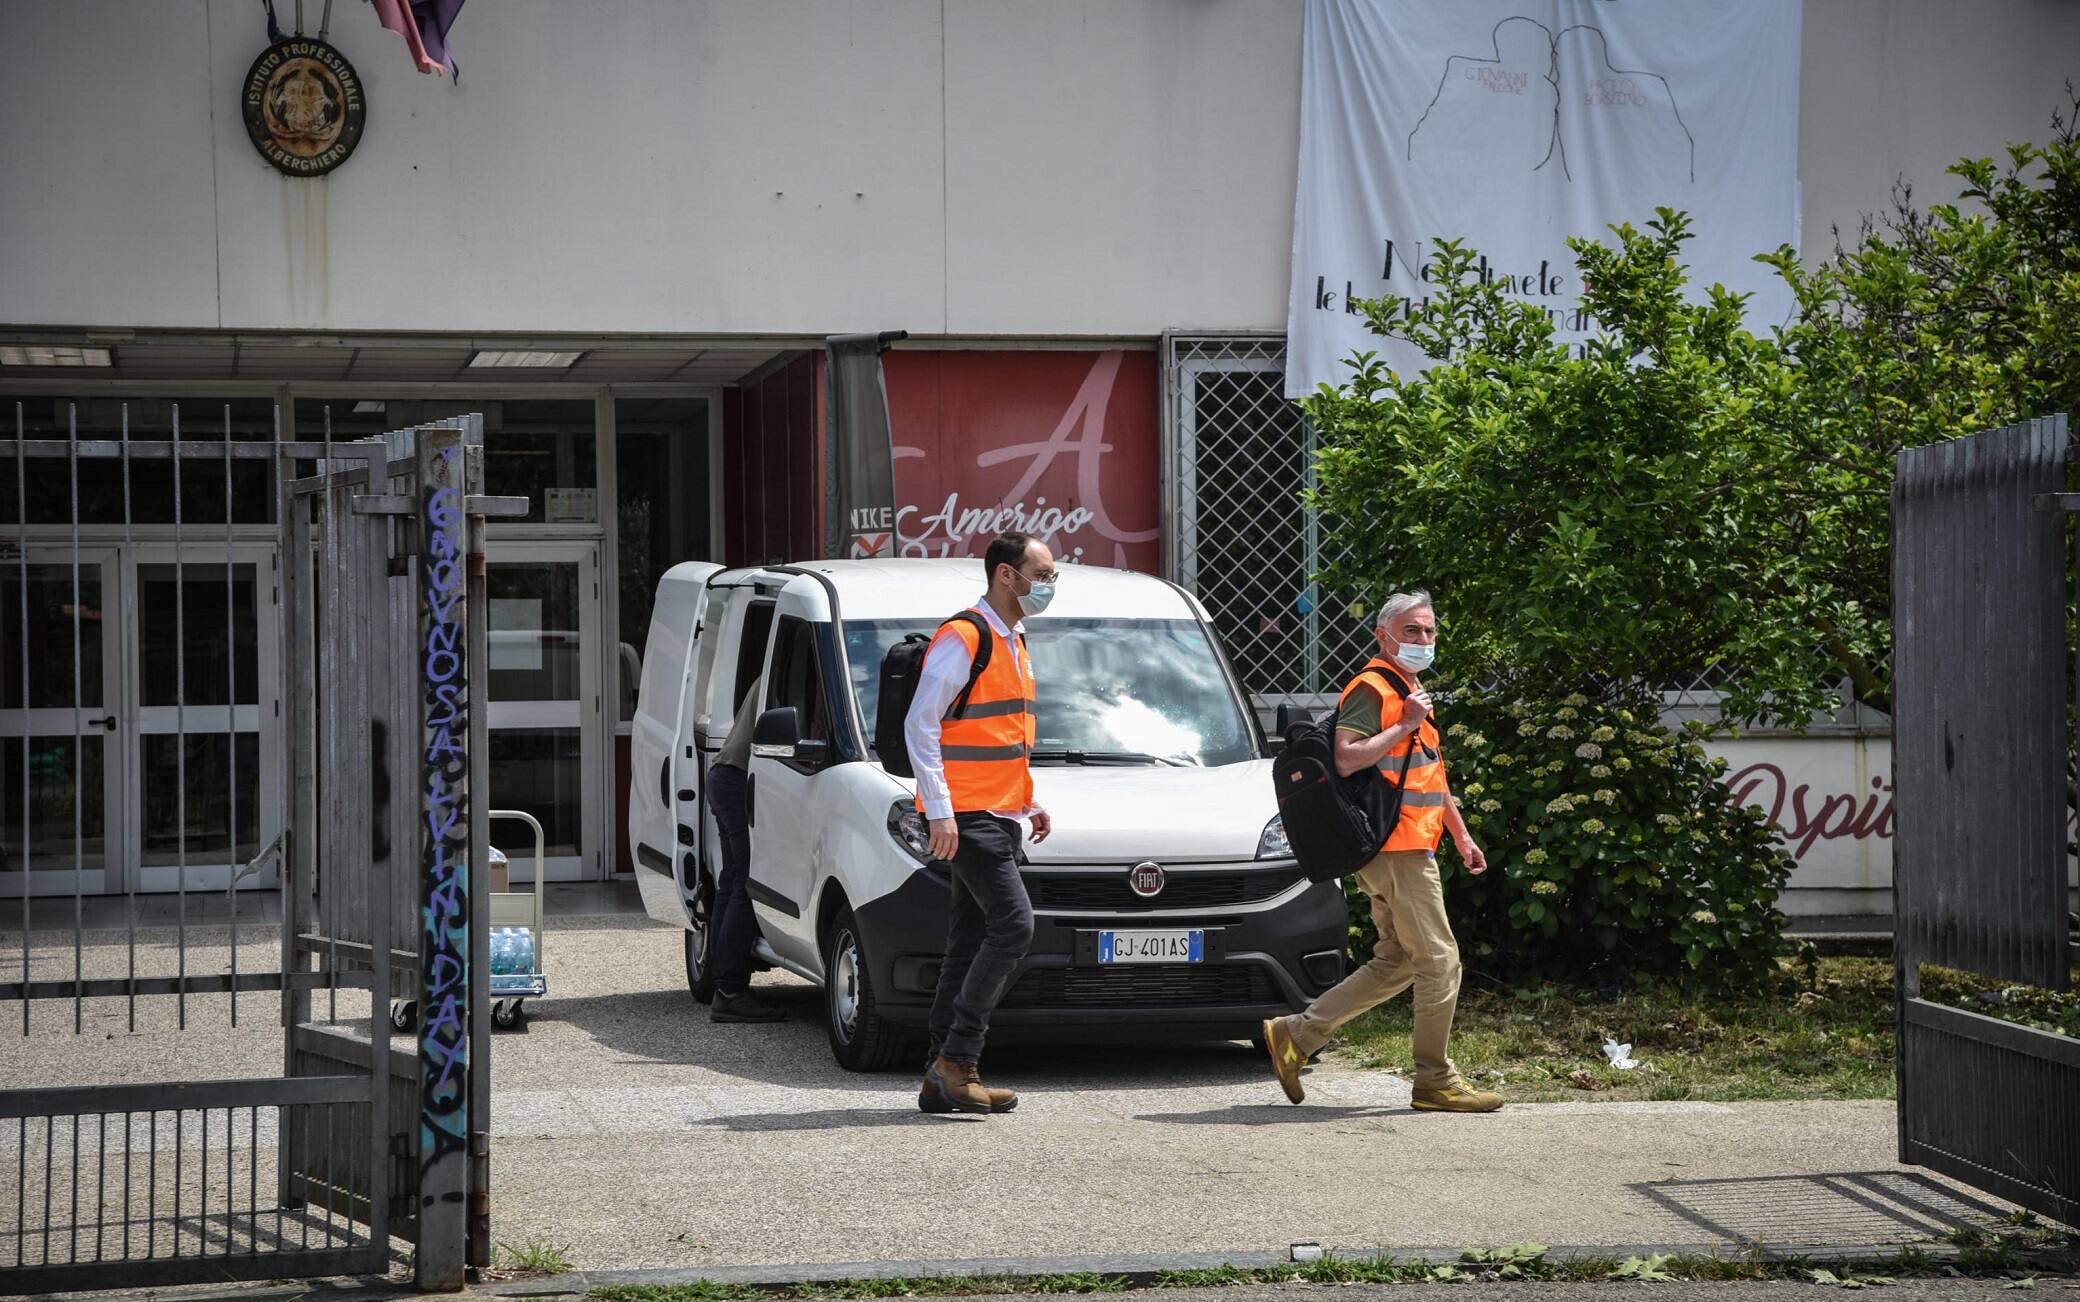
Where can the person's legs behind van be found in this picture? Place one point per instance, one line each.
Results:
(734, 928)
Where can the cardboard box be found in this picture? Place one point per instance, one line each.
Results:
(501, 874)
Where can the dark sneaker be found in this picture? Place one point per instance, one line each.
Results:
(746, 1007)
(931, 1099)
(1456, 1097)
(1286, 1058)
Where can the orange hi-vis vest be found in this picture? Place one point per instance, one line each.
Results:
(1421, 825)
(985, 750)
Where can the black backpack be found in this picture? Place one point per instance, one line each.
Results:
(900, 670)
(1335, 824)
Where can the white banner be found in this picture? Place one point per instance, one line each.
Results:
(1513, 124)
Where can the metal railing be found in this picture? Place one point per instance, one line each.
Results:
(349, 657)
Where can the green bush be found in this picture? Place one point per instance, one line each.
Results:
(1614, 853)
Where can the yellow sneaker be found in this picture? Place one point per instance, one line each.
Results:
(1286, 1058)
(1456, 1097)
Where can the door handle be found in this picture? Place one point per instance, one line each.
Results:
(750, 793)
(108, 723)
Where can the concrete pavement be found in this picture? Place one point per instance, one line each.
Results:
(634, 1133)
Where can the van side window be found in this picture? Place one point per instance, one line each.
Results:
(751, 651)
(796, 679)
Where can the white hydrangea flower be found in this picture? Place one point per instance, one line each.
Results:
(1588, 750)
(1527, 729)
(1603, 734)
(1593, 826)
(1565, 712)
(1576, 699)
(1703, 915)
(1621, 763)
(1543, 887)
(1607, 796)
(1491, 804)
(1534, 855)
(1668, 820)
(1600, 771)
(1560, 732)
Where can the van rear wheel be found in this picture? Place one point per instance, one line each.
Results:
(700, 933)
(861, 1039)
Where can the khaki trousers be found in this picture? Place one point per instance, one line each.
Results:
(1415, 948)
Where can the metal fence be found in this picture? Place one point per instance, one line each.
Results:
(1983, 745)
(1237, 459)
(351, 643)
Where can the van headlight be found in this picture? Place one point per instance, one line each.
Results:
(1273, 844)
(907, 826)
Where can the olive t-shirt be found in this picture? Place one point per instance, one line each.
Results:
(1373, 709)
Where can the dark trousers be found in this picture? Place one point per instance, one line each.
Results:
(987, 934)
(732, 928)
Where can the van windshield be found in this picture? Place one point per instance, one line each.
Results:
(1110, 690)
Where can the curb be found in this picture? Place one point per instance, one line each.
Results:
(1142, 1270)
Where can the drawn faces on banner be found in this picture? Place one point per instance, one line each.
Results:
(1061, 445)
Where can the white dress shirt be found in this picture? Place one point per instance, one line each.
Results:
(945, 673)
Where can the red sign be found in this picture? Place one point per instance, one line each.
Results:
(1061, 445)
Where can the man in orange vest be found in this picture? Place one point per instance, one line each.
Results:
(1378, 728)
(974, 784)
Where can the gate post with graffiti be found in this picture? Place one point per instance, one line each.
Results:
(445, 956)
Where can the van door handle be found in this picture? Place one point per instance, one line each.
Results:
(664, 781)
(750, 792)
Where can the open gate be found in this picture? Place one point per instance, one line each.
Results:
(375, 602)
(1983, 746)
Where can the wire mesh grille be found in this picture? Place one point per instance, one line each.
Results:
(1247, 545)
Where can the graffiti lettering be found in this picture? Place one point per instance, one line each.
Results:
(444, 955)
(1836, 816)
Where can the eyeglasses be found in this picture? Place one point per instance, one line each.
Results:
(1048, 577)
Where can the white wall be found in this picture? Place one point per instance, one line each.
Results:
(1104, 167)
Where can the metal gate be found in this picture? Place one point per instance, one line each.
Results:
(1238, 535)
(375, 601)
(1983, 745)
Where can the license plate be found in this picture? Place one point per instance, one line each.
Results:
(1152, 946)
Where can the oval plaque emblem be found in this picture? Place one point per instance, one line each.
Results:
(1146, 880)
(303, 106)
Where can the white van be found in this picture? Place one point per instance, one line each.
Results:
(1165, 901)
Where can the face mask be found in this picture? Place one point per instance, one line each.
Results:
(1416, 656)
(1035, 598)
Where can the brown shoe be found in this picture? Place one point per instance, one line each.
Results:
(959, 1085)
(1286, 1058)
(931, 1099)
(1456, 1097)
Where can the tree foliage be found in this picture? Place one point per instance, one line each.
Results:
(1680, 495)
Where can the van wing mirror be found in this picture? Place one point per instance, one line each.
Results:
(1288, 715)
(777, 733)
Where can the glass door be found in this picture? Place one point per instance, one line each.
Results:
(59, 767)
(203, 732)
(543, 715)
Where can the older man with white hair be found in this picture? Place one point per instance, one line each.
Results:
(1384, 724)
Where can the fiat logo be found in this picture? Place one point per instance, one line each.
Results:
(1146, 880)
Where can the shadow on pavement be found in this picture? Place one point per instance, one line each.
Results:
(835, 1119)
(1275, 1114)
(1845, 1207)
(666, 1027)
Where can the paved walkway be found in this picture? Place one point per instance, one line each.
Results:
(637, 1134)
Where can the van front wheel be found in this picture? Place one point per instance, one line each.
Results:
(861, 1039)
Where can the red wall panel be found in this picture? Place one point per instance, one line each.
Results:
(1060, 444)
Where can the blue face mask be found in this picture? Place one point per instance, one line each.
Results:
(1035, 598)
(1416, 656)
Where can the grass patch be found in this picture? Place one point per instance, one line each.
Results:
(534, 1257)
(1830, 1037)
(2014, 1254)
